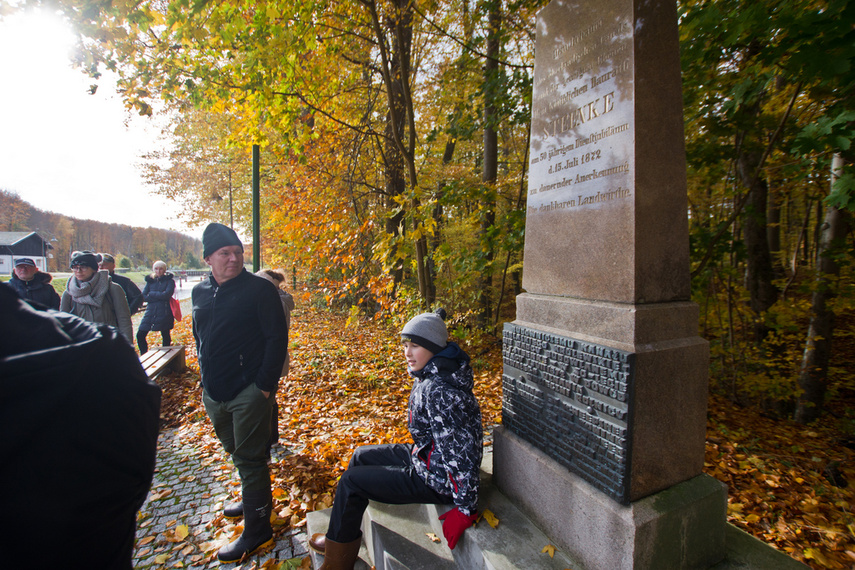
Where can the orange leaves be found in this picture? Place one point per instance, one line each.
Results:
(178, 534)
(348, 387)
(161, 494)
(549, 549)
(776, 484)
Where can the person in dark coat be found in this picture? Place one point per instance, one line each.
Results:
(277, 278)
(158, 290)
(241, 340)
(132, 292)
(34, 285)
(79, 421)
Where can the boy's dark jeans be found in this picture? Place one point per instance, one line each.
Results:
(382, 473)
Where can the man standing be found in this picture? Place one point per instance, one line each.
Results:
(239, 327)
(33, 285)
(132, 292)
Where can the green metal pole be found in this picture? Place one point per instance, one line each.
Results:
(256, 224)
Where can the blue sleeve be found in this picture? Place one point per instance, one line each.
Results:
(161, 295)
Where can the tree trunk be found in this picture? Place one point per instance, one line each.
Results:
(813, 376)
(400, 151)
(394, 40)
(759, 272)
(773, 232)
(395, 186)
(490, 163)
(447, 155)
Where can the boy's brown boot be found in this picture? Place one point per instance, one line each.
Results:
(318, 542)
(340, 555)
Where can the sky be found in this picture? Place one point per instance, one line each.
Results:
(62, 149)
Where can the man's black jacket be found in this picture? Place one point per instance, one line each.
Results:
(132, 292)
(240, 334)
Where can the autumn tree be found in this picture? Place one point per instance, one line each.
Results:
(13, 212)
(368, 74)
(757, 80)
(202, 170)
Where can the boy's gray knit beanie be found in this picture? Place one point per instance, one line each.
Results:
(427, 330)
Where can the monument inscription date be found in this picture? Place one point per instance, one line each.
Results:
(572, 400)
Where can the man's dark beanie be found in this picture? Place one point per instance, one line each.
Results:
(86, 258)
(216, 236)
(427, 330)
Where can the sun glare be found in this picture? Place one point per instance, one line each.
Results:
(33, 44)
(63, 148)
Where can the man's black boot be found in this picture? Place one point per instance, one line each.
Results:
(257, 532)
(233, 510)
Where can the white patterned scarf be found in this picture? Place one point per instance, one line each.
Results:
(90, 292)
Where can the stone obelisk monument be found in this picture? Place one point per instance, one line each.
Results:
(605, 377)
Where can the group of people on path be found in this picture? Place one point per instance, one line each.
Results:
(96, 293)
(240, 325)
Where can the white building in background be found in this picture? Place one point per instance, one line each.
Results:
(23, 244)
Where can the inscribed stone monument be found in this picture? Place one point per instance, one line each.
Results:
(605, 378)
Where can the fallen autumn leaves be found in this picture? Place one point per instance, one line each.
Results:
(778, 490)
(348, 387)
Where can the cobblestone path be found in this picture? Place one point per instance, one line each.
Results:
(181, 523)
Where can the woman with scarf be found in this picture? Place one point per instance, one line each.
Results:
(159, 287)
(92, 295)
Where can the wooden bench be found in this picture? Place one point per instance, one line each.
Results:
(159, 359)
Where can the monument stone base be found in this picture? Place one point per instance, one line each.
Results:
(661, 407)
(681, 527)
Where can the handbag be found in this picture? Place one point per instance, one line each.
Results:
(176, 308)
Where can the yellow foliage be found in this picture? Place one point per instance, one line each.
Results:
(549, 549)
(490, 518)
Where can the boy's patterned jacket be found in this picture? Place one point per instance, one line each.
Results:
(445, 422)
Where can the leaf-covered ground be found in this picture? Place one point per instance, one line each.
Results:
(348, 387)
(787, 484)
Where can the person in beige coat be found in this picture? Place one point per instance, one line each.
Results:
(287, 300)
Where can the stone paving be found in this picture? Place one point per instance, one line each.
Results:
(181, 524)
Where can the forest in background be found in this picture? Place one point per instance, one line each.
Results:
(133, 247)
(394, 139)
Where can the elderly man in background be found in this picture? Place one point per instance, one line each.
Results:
(241, 340)
(132, 292)
(32, 284)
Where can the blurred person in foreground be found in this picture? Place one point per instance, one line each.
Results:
(441, 466)
(79, 422)
(91, 295)
(132, 292)
(158, 290)
(239, 328)
(32, 284)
